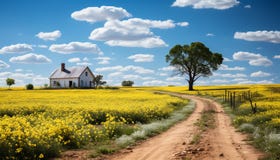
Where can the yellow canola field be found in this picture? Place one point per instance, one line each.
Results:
(40, 123)
(266, 98)
(263, 122)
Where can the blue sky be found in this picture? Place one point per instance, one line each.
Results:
(128, 40)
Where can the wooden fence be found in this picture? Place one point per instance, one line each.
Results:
(234, 99)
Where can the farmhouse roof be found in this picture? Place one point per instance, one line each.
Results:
(71, 72)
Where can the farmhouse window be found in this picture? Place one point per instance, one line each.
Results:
(86, 74)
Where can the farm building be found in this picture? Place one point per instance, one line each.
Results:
(72, 77)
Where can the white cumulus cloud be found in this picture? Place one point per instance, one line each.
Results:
(30, 58)
(75, 47)
(168, 68)
(142, 57)
(22, 79)
(260, 74)
(277, 57)
(227, 59)
(85, 59)
(151, 42)
(253, 58)
(200, 4)
(183, 24)
(74, 60)
(136, 69)
(84, 63)
(3, 65)
(42, 46)
(134, 32)
(247, 6)
(103, 13)
(103, 60)
(17, 48)
(80, 62)
(229, 75)
(132, 77)
(266, 36)
(108, 69)
(210, 35)
(227, 68)
(115, 74)
(51, 36)
(175, 78)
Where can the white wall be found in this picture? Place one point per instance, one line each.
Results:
(86, 79)
(64, 83)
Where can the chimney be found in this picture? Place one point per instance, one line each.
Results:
(62, 66)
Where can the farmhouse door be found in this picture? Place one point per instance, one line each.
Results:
(70, 84)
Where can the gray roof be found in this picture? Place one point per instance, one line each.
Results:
(72, 72)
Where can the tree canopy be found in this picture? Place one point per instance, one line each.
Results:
(127, 83)
(194, 60)
(10, 82)
(97, 81)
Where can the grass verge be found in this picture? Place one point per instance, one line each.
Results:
(206, 121)
(265, 138)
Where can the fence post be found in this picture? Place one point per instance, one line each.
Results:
(233, 100)
(230, 99)
(225, 98)
(228, 96)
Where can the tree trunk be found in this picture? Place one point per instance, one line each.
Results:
(190, 85)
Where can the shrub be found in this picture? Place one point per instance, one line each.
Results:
(29, 86)
(127, 83)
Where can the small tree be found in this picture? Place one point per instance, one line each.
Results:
(194, 61)
(97, 81)
(10, 82)
(127, 83)
(29, 86)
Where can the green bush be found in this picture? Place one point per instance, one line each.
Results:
(127, 83)
(29, 86)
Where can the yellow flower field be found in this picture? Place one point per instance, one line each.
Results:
(42, 122)
(263, 124)
(266, 97)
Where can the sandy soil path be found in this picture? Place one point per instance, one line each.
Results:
(221, 142)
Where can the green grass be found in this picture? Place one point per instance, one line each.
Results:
(206, 121)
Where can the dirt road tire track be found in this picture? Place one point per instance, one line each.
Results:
(222, 142)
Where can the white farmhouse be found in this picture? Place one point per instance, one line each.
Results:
(73, 77)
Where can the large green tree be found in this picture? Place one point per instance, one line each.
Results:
(194, 61)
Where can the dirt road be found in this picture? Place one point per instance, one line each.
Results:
(220, 142)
